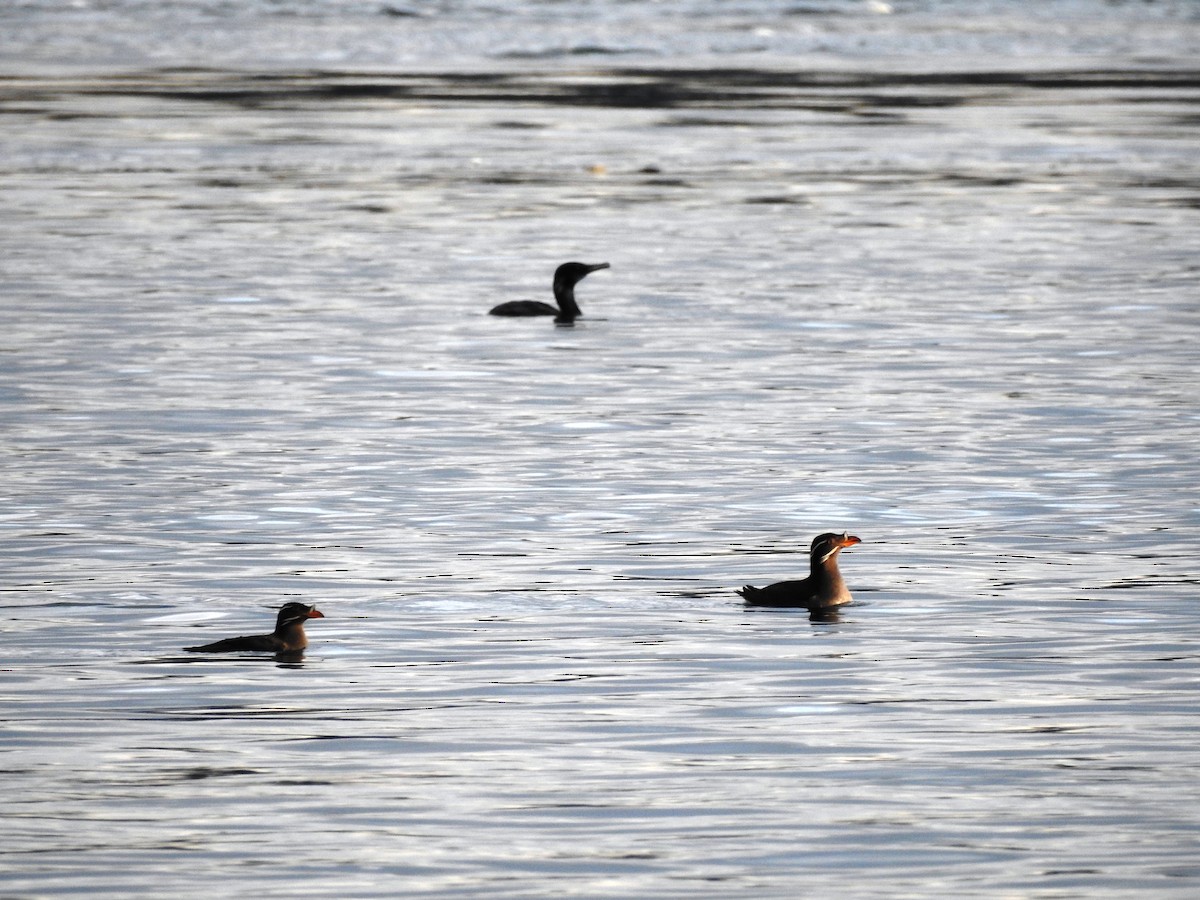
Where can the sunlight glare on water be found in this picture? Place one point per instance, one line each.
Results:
(922, 272)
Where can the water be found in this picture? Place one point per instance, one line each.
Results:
(925, 272)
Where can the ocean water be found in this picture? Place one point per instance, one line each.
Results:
(926, 272)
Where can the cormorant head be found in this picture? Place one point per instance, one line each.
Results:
(569, 274)
(565, 277)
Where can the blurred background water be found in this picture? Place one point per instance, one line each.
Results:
(923, 271)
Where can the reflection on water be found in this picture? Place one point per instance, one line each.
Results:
(246, 359)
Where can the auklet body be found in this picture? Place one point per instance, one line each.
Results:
(288, 636)
(566, 277)
(822, 590)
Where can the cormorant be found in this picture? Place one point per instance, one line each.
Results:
(566, 277)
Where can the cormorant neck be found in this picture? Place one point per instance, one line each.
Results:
(564, 293)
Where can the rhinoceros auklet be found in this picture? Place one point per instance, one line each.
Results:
(823, 589)
(288, 636)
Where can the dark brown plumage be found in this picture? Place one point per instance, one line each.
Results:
(822, 590)
(566, 277)
(288, 636)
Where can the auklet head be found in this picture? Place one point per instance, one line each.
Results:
(829, 544)
(291, 613)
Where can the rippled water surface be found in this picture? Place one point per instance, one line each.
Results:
(925, 272)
